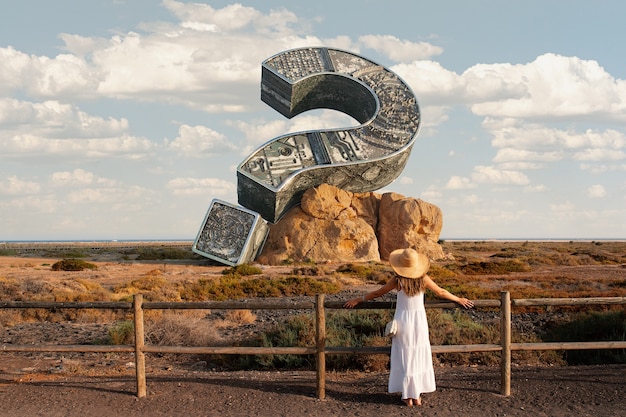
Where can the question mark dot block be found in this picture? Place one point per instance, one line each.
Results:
(230, 234)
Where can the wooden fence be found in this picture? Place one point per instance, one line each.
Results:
(320, 350)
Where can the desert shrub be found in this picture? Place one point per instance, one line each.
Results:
(76, 290)
(72, 264)
(173, 329)
(243, 270)
(495, 268)
(74, 253)
(438, 271)
(240, 317)
(592, 327)
(458, 328)
(155, 254)
(309, 270)
(378, 273)
(10, 289)
(8, 252)
(234, 287)
(152, 286)
(122, 333)
(353, 329)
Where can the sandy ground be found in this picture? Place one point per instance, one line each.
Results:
(564, 391)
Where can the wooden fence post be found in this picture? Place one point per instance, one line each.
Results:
(320, 345)
(140, 356)
(505, 340)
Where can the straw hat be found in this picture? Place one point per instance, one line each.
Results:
(409, 263)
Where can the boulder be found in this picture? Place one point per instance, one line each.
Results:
(334, 225)
(405, 222)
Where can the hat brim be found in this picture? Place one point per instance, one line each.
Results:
(413, 271)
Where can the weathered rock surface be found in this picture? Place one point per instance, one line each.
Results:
(409, 222)
(334, 225)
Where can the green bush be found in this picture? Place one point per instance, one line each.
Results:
(592, 327)
(122, 333)
(355, 328)
(156, 254)
(72, 265)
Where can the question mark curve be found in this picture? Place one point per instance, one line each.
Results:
(358, 159)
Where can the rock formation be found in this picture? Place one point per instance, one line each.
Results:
(334, 225)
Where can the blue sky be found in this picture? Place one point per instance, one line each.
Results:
(124, 119)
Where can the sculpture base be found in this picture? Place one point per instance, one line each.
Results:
(230, 234)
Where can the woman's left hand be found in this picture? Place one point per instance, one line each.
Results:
(466, 303)
(351, 303)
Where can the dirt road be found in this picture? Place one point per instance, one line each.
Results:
(562, 391)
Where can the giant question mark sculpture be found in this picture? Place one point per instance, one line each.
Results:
(360, 159)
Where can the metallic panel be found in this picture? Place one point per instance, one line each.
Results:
(230, 234)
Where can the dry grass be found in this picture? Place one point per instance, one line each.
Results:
(477, 270)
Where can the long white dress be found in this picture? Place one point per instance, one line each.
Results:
(411, 366)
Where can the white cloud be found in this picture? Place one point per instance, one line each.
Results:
(552, 86)
(54, 119)
(538, 188)
(399, 50)
(200, 142)
(200, 186)
(566, 206)
(600, 155)
(15, 186)
(431, 82)
(512, 154)
(125, 146)
(79, 177)
(596, 191)
(205, 61)
(233, 17)
(116, 198)
(459, 183)
(491, 175)
(471, 199)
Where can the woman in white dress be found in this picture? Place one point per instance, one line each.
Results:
(411, 369)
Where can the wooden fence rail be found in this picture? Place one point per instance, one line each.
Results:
(320, 350)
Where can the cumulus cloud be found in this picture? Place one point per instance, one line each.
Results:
(511, 154)
(431, 82)
(399, 50)
(200, 186)
(204, 60)
(78, 177)
(120, 197)
(535, 188)
(596, 191)
(15, 186)
(199, 142)
(54, 119)
(28, 145)
(552, 86)
(491, 175)
(459, 183)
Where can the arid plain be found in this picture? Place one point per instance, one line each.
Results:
(91, 384)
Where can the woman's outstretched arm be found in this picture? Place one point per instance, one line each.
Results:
(445, 294)
(390, 285)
